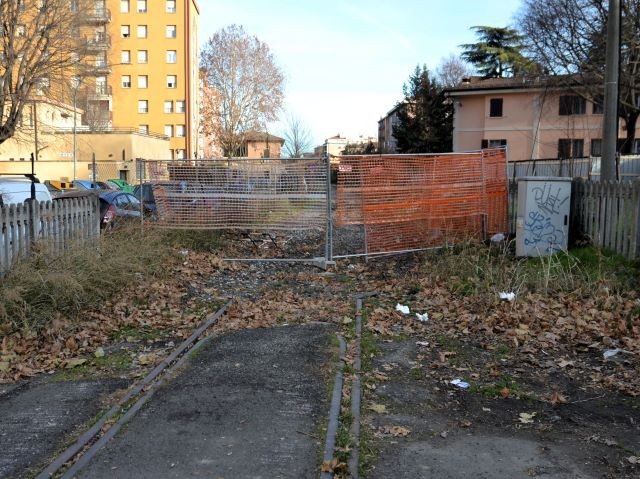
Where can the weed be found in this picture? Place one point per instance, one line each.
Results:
(494, 389)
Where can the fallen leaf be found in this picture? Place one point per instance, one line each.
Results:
(74, 362)
(465, 423)
(99, 353)
(4, 366)
(505, 392)
(145, 359)
(379, 408)
(526, 418)
(633, 459)
(563, 363)
(395, 431)
(444, 434)
(557, 398)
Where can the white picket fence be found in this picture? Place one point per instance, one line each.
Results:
(608, 213)
(50, 227)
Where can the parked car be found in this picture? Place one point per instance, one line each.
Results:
(116, 206)
(18, 189)
(92, 185)
(144, 193)
(121, 185)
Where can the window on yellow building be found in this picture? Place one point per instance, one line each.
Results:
(125, 56)
(125, 31)
(168, 106)
(180, 154)
(142, 31)
(126, 81)
(143, 81)
(172, 56)
(143, 56)
(180, 131)
(124, 6)
(172, 81)
(143, 106)
(171, 6)
(171, 31)
(21, 30)
(142, 6)
(168, 130)
(143, 129)
(180, 106)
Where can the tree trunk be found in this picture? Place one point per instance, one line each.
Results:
(631, 119)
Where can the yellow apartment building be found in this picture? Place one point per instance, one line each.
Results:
(153, 69)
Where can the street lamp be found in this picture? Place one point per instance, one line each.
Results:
(75, 84)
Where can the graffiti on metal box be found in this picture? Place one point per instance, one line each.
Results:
(542, 232)
(549, 200)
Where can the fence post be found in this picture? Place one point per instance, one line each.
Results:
(328, 249)
(34, 223)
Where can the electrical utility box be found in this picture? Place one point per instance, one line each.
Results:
(542, 225)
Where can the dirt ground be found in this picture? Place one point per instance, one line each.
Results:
(542, 400)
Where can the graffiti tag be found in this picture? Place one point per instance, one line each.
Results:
(548, 200)
(542, 233)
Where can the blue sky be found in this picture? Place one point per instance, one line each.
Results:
(346, 61)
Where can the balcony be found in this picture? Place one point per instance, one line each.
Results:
(99, 69)
(102, 92)
(98, 43)
(98, 16)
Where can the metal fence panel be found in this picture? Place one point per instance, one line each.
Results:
(249, 194)
(408, 202)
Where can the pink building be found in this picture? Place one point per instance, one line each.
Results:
(531, 116)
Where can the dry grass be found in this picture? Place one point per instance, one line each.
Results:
(41, 288)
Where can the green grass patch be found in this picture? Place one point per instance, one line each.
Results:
(494, 389)
(106, 365)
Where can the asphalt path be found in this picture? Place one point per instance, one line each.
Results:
(251, 404)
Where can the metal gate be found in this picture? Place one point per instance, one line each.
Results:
(384, 204)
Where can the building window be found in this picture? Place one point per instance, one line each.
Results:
(142, 6)
(142, 31)
(172, 56)
(572, 105)
(598, 105)
(636, 147)
(493, 143)
(172, 81)
(143, 81)
(570, 148)
(125, 56)
(495, 107)
(180, 155)
(168, 130)
(171, 31)
(180, 106)
(126, 81)
(180, 131)
(168, 106)
(143, 56)
(21, 30)
(143, 106)
(143, 129)
(124, 6)
(125, 31)
(171, 6)
(101, 86)
(101, 60)
(596, 147)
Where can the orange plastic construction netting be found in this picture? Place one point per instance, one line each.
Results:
(409, 202)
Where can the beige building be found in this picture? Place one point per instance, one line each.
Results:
(47, 131)
(530, 116)
(333, 146)
(262, 145)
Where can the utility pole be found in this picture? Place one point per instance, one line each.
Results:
(610, 120)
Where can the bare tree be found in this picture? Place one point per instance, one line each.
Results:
(249, 84)
(297, 137)
(40, 43)
(452, 70)
(568, 37)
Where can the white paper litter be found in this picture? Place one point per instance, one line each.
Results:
(422, 343)
(609, 353)
(402, 308)
(496, 238)
(460, 383)
(422, 317)
(507, 296)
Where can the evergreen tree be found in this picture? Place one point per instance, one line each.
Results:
(426, 119)
(497, 53)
